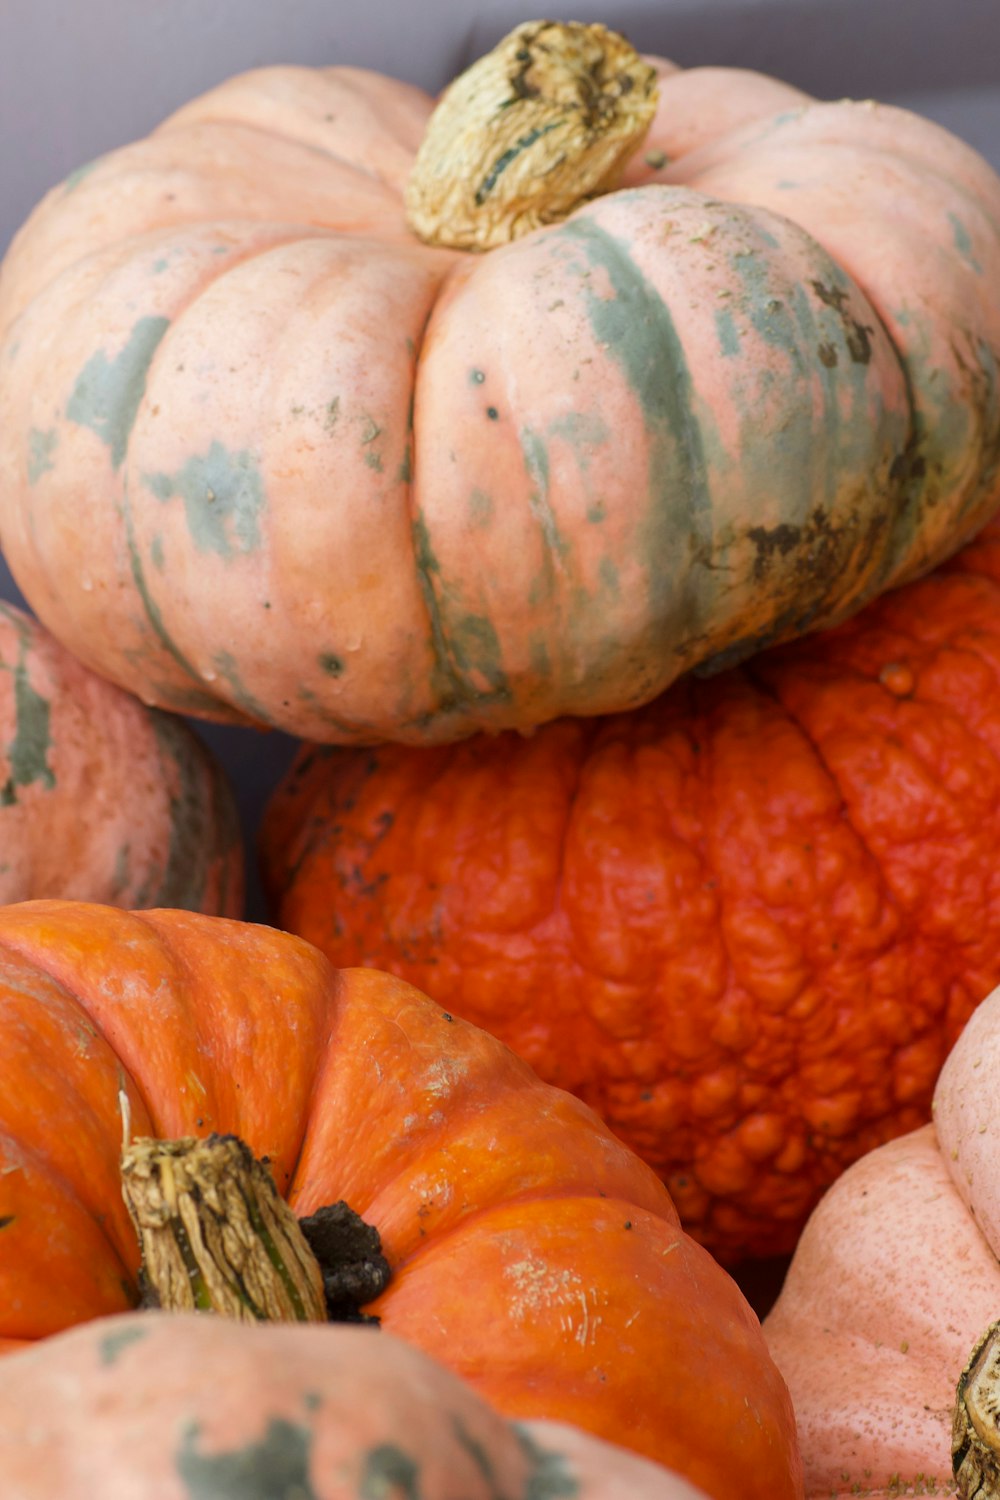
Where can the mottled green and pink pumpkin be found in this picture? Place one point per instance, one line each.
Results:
(102, 799)
(189, 1408)
(362, 487)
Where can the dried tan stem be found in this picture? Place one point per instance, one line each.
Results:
(216, 1236)
(975, 1441)
(542, 123)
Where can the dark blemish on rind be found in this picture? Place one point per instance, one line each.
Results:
(108, 392)
(476, 377)
(276, 1466)
(857, 335)
(827, 355)
(330, 664)
(780, 539)
(6, 1220)
(113, 1344)
(492, 413)
(388, 1474)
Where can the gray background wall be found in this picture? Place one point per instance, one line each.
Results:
(78, 77)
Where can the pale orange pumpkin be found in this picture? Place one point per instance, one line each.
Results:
(362, 488)
(102, 799)
(895, 1278)
(198, 1408)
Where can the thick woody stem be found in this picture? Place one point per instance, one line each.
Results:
(216, 1236)
(975, 1441)
(544, 122)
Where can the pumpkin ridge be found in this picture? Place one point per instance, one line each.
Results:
(234, 123)
(755, 673)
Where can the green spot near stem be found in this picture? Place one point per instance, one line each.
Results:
(109, 390)
(277, 1465)
(114, 1344)
(223, 496)
(41, 446)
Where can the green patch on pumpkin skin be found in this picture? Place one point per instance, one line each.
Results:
(729, 338)
(156, 555)
(41, 447)
(962, 241)
(109, 390)
(28, 751)
(74, 178)
(114, 1344)
(225, 664)
(276, 1465)
(608, 574)
(536, 462)
(389, 1473)
(223, 495)
(194, 699)
(550, 1477)
(480, 507)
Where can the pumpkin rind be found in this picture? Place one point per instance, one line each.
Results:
(102, 799)
(591, 1305)
(892, 1284)
(744, 923)
(365, 489)
(196, 1408)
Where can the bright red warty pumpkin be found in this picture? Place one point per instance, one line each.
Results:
(745, 923)
(195, 1408)
(102, 799)
(343, 482)
(531, 1251)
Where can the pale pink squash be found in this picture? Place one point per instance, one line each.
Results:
(182, 1407)
(102, 799)
(893, 1282)
(343, 482)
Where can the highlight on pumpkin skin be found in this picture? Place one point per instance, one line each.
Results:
(591, 1306)
(529, 132)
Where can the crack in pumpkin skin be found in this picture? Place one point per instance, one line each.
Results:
(745, 923)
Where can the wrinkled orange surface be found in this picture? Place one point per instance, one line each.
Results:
(531, 1252)
(745, 923)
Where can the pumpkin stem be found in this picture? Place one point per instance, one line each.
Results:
(542, 123)
(216, 1235)
(975, 1437)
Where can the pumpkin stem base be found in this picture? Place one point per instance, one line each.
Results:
(975, 1443)
(216, 1236)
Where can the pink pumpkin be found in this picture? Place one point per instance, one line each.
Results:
(893, 1282)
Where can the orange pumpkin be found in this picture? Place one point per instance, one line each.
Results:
(531, 1252)
(893, 1283)
(191, 1408)
(343, 482)
(745, 923)
(100, 798)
